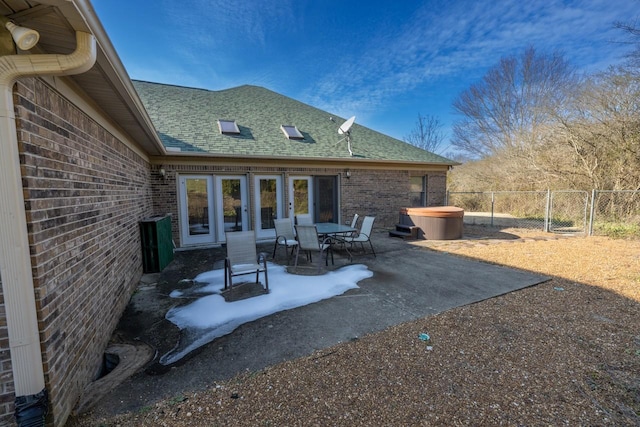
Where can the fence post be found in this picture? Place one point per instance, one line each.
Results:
(547, 213)
(492, 202)
(592, 211)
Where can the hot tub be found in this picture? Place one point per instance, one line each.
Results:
(435, 223)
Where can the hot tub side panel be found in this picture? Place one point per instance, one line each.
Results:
(435, 225)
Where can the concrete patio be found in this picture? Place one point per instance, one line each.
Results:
(409, 282)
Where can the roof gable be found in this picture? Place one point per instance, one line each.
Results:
(186, 118)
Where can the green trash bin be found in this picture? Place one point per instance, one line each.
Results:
(157, 243)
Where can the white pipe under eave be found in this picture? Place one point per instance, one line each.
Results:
(15, 262)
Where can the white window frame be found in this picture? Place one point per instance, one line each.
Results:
(291, 132)
(223, 126)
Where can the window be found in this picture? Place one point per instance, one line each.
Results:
(228, 127)
(291, 132)
(418, 191)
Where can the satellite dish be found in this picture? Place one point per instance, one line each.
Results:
(344, 128)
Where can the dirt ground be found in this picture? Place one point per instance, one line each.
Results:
(565, 352)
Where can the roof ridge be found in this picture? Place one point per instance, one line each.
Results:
(204, 89)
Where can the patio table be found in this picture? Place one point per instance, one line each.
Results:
(334, 231)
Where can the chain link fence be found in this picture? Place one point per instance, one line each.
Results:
(615, 213)
(607, 213)
(505, 209)
(568, 210)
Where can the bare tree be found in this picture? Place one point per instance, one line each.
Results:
(427, 134)
(511, 107)
(533, 123)
(601, 128)
(634, 32)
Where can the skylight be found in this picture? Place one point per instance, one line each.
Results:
(228, 127)
(291, 132)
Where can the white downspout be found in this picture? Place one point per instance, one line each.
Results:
(15, 261)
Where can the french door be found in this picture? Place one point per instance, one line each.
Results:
(196, 215)
(268, 204)
(326, 199)
(231, 205)
(314, 195)
(211, 206)
(300, 196)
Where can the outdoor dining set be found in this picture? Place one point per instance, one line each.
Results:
(300, 235)
(323, 237)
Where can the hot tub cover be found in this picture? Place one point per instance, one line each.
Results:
(435, 211)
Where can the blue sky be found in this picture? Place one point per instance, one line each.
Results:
(382, 61)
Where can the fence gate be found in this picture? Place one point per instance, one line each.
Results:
(568, 211)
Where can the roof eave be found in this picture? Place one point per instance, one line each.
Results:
(122, 104)
(289, 159)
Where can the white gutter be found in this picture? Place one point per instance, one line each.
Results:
(15, 261)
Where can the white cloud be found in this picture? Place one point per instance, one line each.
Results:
(467, 37)
(220, 24)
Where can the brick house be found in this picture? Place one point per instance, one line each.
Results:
(75, 180)
(87, 154)
(238, 158)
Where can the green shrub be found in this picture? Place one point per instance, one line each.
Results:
(617, 230)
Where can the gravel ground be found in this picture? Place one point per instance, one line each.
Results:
(565, 352)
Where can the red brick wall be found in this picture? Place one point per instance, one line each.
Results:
(381, 193)
(85, 192)
(436, 188)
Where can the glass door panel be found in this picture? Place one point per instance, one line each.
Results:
(300, 196)
(196, 217)
(326, 201)
(231, 204)
(268, 204)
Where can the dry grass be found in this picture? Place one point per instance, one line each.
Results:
(565, 352)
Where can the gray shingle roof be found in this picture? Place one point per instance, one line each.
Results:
(186, 118)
